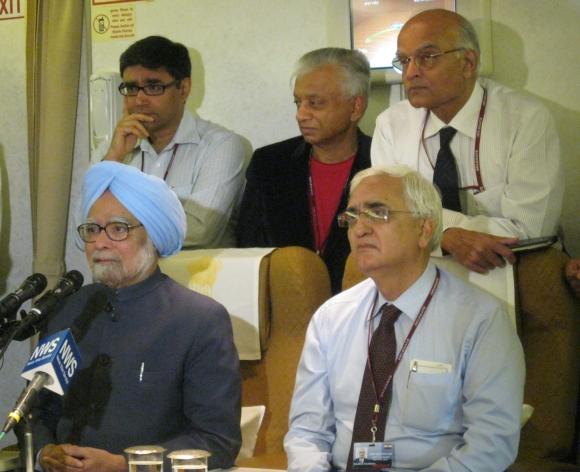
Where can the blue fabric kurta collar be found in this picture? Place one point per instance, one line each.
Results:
(142, 288)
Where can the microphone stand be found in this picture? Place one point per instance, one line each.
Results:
(28, 445)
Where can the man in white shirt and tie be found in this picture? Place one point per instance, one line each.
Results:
(505, 145)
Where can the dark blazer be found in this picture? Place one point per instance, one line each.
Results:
(275, 210)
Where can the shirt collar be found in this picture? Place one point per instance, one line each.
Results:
(465, 120)
(187, 133)
(412, 299)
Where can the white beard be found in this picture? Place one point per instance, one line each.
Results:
(115, 275)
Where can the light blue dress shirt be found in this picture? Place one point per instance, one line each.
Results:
(462, 416)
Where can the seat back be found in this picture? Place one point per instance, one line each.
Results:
(299, 284)
(550, 334)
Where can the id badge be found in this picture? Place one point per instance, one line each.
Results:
(376, 456)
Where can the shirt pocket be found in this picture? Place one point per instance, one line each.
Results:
(430, 398)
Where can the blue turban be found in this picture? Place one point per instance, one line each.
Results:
(148, 198)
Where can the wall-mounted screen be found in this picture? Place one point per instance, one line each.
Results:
(375, 25)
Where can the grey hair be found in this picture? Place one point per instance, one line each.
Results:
(420, 195)
(354, 65)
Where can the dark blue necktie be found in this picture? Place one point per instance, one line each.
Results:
(445, 175)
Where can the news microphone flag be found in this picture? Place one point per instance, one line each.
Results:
(53, 363)
(57, 356)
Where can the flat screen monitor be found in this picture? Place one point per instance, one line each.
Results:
(375, 25)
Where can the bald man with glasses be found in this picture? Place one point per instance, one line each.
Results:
(202, 162)
(493, 152)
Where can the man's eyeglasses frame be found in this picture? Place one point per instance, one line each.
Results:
(422, 61)
(151, 90)
(92, 237)
(378, 215)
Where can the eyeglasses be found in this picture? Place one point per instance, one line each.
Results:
(132, 90)
(422, 61)
(115, 230)
(373, 215)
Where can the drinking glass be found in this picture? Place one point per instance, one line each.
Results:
(189, 459)
(145, 458)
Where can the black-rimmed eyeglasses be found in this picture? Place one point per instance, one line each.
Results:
(373, 215)
(422, 61)
(115, 230)
(132, 90)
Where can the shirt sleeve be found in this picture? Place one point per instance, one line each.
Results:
(493, 395)
(382, 151)
(213, 197)
(312, 423)
(530, 201)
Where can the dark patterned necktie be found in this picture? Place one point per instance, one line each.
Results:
(382, 351)
(445, 175)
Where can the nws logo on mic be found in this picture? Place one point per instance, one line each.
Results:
(58, 356)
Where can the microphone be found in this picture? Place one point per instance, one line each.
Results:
(31, 287)
(52, 365)
(67, 285)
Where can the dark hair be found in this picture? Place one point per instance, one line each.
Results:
(155, 52)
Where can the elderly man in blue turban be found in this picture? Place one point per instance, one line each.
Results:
(159, 363)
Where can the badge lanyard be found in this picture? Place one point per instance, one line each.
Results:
(380, 398)
(479, 187)
(168, 166)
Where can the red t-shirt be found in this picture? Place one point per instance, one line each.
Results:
(328, 182)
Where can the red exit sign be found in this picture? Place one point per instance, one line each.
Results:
(11, 9)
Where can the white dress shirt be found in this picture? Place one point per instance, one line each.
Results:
(207, 174)
(465, 419)
(519, 158)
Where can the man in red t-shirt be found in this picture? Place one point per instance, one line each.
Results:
(296, 188)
